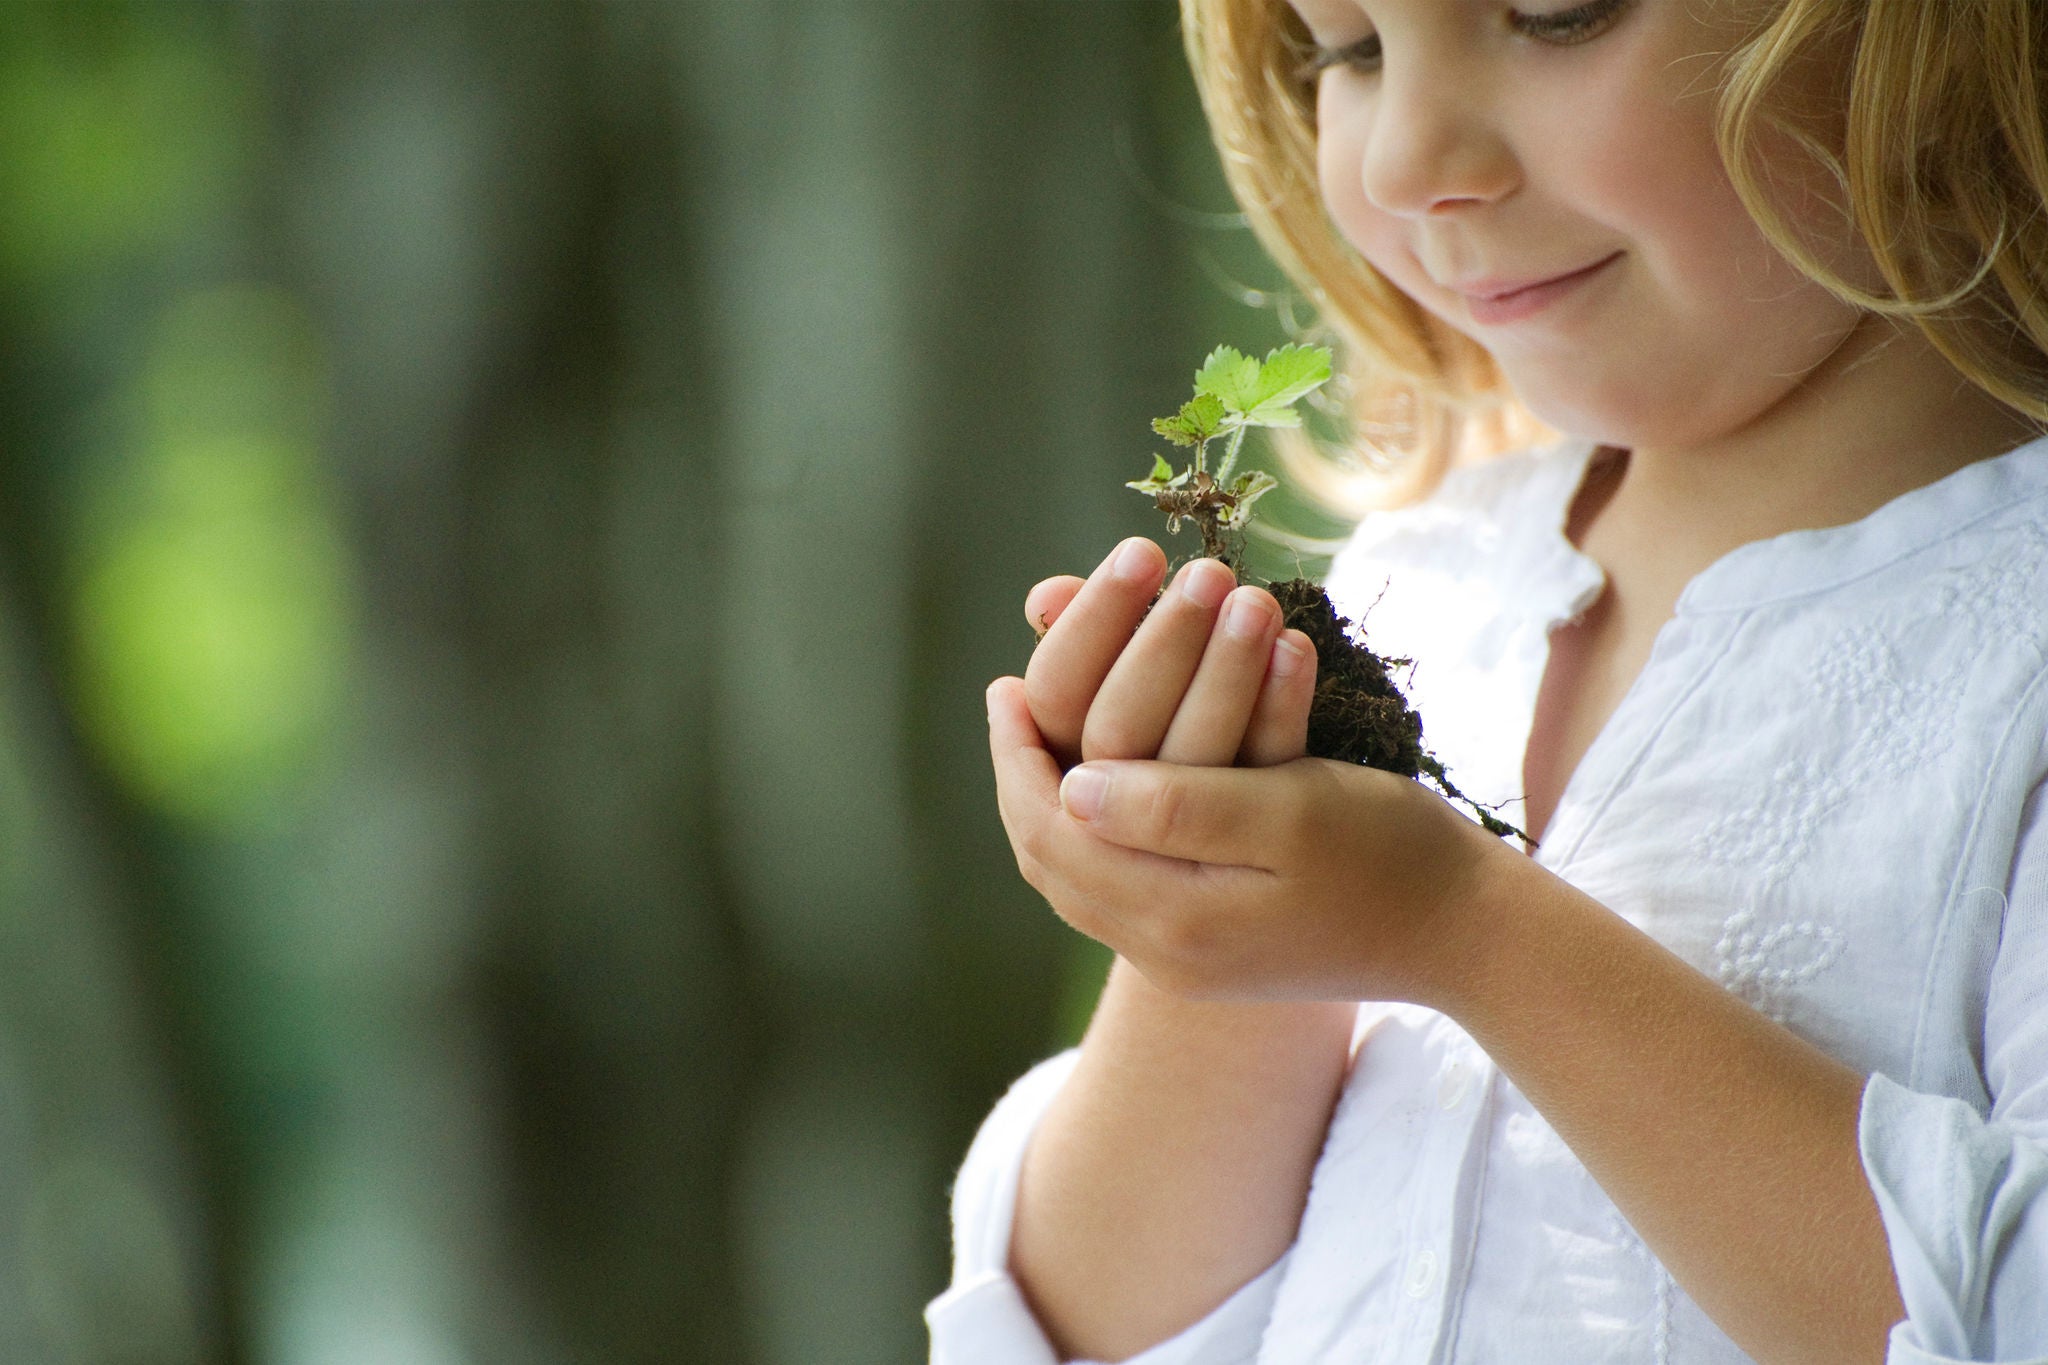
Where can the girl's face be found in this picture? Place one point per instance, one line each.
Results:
(1468, 146)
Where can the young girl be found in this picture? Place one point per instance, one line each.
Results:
(1747, 1057)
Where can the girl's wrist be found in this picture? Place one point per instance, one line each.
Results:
(1476, 935)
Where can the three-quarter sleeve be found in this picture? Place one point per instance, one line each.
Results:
(1964, 1197)
(983, 1318)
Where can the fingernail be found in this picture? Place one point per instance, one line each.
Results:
(1203, 584)
(1082, 790)
(1245, 617)
(1132, 563)
(1288, 658)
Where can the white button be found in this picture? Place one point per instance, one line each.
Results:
(1421, 1274)
(1450, 1092)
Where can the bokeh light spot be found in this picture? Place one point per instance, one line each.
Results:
(212, 609)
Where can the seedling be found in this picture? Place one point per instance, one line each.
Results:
(1233, 394)
(1358, 714)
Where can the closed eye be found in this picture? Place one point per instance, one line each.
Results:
(1563, 29)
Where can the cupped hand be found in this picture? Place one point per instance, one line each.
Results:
(1306, 880)
(1206, 675)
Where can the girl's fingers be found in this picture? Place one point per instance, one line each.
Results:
(1055, 855)
(1089, 633)
(1027, 780)
(1278, 730)
(1136, 704)
(1209, 726)
(1048, 601)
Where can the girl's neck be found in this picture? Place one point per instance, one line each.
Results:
(1883, 415)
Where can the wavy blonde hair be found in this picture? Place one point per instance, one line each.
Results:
(1935, 141)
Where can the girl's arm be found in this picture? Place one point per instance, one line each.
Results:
(1173, 1166)
(1729, 1143)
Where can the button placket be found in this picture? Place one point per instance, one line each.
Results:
(1454, 1111)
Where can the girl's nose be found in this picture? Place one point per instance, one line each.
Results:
(1430, 146)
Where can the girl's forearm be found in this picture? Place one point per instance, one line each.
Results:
(1729, 1143)
(1174, 1165)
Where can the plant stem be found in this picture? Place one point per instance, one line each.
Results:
(1229, 464)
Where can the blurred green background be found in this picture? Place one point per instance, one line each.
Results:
(506, 513)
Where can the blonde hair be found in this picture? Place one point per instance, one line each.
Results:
(1936, 142)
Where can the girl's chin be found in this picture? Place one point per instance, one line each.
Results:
(1555, 392)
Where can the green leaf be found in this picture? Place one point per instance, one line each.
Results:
(1252, 484)
(1230, 377)
(1196, 421)
(1162, 477)
(1287, 376)
(1245, 490)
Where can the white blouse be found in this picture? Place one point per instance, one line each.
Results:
(1823, 791)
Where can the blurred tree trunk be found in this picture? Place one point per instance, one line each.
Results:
(708, 383)
(944, 310)
(706, 422)
(485, 211)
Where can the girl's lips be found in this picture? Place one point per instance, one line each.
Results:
(1524, 302)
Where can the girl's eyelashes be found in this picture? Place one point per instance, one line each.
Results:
(1564, 28)
(1573, 25)
(1363, 54)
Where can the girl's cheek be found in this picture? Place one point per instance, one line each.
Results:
(1339, 166)
(1330, 154)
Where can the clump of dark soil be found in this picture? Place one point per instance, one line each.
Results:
(1359, 715)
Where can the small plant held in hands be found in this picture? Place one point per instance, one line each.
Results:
(1358, 715)
(1233, 394)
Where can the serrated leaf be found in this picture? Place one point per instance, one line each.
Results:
(1230, 377)
(1267, 415)
(1292, 372)
(1286, 377)
(1196, 421)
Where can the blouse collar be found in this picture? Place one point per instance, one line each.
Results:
(1801, 562)
(1557, 581)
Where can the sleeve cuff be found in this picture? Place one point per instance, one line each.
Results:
(1904, 1350)
(1967, 1222)
(985, 1191)
(983, 1318)
(985, 1321)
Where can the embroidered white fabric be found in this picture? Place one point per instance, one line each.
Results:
(1823, 791)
